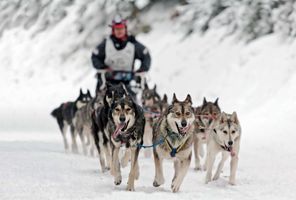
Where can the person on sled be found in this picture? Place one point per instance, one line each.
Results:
(117, 54)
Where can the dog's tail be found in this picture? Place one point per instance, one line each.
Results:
(55, 112)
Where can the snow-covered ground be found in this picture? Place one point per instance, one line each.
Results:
(257, 80)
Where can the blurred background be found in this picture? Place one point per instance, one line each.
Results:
(242, 51)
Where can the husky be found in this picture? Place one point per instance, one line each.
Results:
(204, 116)
(152, 104)
(224, 137)
(100, 118)
(126, 127)
(83, 122)
(65, 116)
(174, 134)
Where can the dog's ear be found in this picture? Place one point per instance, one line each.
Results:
(88, 93)
(204, 101)
(216, 102)
(175, 100)
(146, 86)
(154, 88)
(223, 118)
(234, 118)
(165, 99)
(80, 91)
(188, 99)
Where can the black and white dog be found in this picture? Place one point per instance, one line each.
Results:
(126, 127)
(65, 115)
(100, 119)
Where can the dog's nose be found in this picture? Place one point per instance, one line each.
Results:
(122, 118)
(183, 123)
(230, 143)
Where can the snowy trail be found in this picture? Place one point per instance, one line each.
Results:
(39, 169)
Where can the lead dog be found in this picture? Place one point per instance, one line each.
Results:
(126, 127)
(100, 119)
(224, 137)
(174, 134)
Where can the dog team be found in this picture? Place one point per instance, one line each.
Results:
(114, 121)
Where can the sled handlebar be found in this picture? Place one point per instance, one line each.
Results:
(102, 74)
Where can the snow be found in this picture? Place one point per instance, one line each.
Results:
(256, 79)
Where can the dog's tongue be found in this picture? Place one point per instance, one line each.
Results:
(232, 153)
(184, 130)
(118, 130)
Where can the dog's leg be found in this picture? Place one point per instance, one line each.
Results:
(137, 172)
(147, 139)
(211, 155)
(126, 157)
(73, 136)
(196, 149)
(225, 156)
(234, 164)
(159, 179)
(82, 139)
(107, 151)
(63, 127)
(92, 145)
(116, 165)
(181, 169)
(134, 169)
(98, 144)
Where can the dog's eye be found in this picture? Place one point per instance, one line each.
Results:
(128, 109)
(178, 113)
(206, 113)
(117, 109)
(233, 132)
(214, 113)
(187, 113)
(225, 132)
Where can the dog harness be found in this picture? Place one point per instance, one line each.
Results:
(174, 151)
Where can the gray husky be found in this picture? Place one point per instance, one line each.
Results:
(83, 122)
(224, 137)
(174, 134)
(205, 114)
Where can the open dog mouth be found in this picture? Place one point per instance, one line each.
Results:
(228, 148)
(120, 128)
(183, 130)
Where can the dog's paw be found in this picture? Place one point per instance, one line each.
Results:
(216, 177)
(232, 182)
(175, 186)
(156, 184)
(207, 180)
(117, 180)
(204, 167)
(198, 168)
(130, 188)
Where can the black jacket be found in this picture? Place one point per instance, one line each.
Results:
(141, 53)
